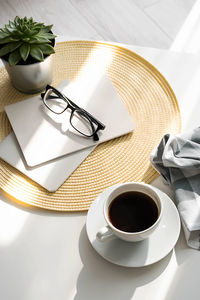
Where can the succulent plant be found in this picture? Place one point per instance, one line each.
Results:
(24, 38)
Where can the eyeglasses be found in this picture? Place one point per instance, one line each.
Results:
(81, 120)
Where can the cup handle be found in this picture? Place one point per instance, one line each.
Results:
(104, 234)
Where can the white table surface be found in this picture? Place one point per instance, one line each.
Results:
(46, 255)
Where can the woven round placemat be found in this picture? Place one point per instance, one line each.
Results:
(149, 100)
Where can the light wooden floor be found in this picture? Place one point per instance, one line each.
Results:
(153, 23)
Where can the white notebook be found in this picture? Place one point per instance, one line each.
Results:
(44, 136)
(50, 175)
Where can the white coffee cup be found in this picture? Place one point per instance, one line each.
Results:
(111, 231)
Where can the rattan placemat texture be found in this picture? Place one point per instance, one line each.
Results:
(148, 98)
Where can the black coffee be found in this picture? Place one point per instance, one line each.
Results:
(133, 212)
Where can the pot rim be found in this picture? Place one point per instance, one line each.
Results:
(25, 65)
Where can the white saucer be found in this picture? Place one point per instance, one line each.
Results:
(138, 254)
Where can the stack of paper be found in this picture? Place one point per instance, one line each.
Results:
(44, 148)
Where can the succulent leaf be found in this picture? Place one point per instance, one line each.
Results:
(14, 58)
(24, 51)
(38, 25)
(6, 30)
(9, 48)
(39, 40)
(36, 53)
(34, 32)
(11, 24)
(3, 35)
(26, 39)
(9, 29)
(46, 35)
(8, 40)
(46, 48)
(27, 31)
(17, 20)
(4, 50)
(46, 29)
(23, 38)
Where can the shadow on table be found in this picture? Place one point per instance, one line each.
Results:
(100, 279)
(185, 284)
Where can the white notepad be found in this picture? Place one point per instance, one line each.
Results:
(44, 136)
(50, 175)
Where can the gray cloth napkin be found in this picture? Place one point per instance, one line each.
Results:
(177, 159)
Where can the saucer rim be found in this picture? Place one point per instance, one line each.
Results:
(109, 189)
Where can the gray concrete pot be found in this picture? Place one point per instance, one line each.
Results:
(31, 78)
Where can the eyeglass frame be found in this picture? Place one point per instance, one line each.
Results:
(74, 107)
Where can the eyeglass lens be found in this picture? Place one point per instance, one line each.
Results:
(82, 124)
(54, 102)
